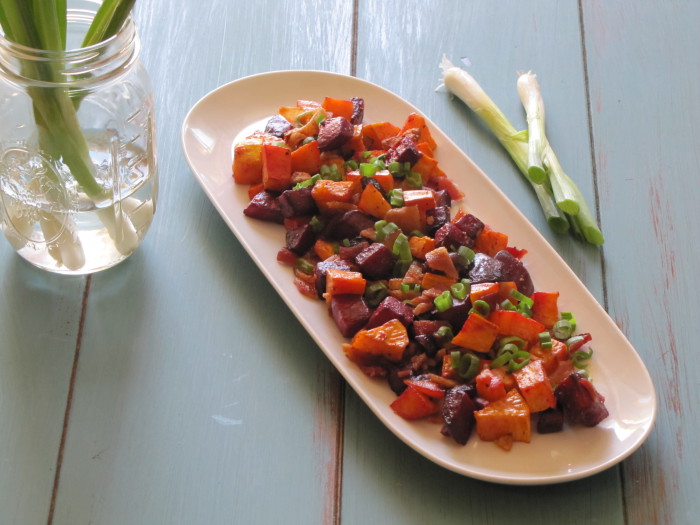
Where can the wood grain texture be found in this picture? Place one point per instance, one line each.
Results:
(645, 112)
(199, 398)
(39, 324)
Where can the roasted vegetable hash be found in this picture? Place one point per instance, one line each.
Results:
(433, 301)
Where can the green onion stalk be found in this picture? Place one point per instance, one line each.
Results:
(561, 201)
(42, 25)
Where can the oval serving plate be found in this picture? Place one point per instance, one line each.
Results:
(230, 112)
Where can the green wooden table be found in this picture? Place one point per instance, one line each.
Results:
(157, 393)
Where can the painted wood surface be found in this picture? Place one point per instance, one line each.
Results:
(193, 394)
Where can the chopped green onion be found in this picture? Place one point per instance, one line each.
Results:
(507, 305)
(501, 359)
(321, 117)
(301, 116)
(307, 140)
(368, 169)
(545, 340)
(308, 182)
(417, 233)
(481, 307)
(580, 358)
(518, 361)
(519, 342)
(396, 197)
(465, 256)
(351, 165)
(569, 317)
(445, 332)
(304, 266)
(414, 179)
(410, 288)
(455, 358)
(365, 155)
(394, 167)
(346, 242)
(459, 290)
(375, 293)
(519, 296)
(469, 366)
(317, 224)
(562, 329)
(383, 229)
(443, 301)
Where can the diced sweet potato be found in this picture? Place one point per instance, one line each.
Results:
(344, 282)
(534, 386)
(373, 202)
(416, 125)
(420, 246)
(423, 199)
(408, 218)
(413, 404)
(325, 191)
(435, 280)
(339, 107)
(376, 133)
(509, 416)
(477, 333)
(439, 259)
(510, 322)
(490, 242)
(544, 308)
(276, 167)
(388, 340)
(307, 158)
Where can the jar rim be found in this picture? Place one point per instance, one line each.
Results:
(78, 65)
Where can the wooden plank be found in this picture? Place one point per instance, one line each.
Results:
(39, 323)
(645, 105)
(199, 397)
(498, 39)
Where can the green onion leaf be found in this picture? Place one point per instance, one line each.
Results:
(443, 301)
(481, 307)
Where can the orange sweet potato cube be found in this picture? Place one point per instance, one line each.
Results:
(477, 333)
(535, 387)
(276, 167)
(373, 202)
(345, 282)
(510, 322)
(544, 308)
(509, 416)
(388, 340)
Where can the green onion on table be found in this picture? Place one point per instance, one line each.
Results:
(562, 202)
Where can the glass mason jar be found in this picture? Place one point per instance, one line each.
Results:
(78, 176)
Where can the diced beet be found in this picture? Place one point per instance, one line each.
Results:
(300, 239)
(470, 225)
(404, 150)
(358, 110)
(456, 314)
(264, 206)
(334, 132)
(322, 267)
(425, 334)
(350, 313)
(295, 203)
(396, 375)
(442, 198)
(458, 413)
(391, 308)
(436, 218)
(376, 261)
(350, 252)
(277, 126)
(349, 225)
(485, 269)
(514, 270)
(450, 235)
(550, 420)
(580, 401)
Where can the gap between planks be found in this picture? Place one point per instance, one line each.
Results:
(69, 400)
